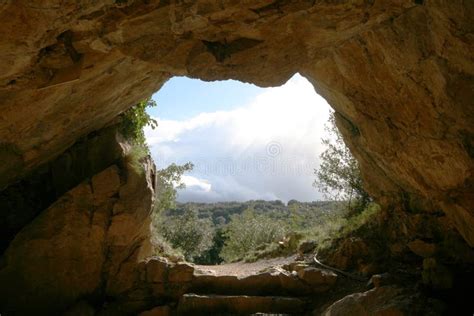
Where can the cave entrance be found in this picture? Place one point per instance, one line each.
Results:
(254, 152)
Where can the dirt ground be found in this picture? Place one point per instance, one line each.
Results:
(241, 269)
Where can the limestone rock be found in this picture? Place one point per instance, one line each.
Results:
(385, 300)
(296, 266)
(181, 273)
(317, 277)
(23, 201)
(58, 257)
(192, 304)
(72, 247)
(157, 270)
(373, 302)
(399, 74)
(421, 248)
(348, 254)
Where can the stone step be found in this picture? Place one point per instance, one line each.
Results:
(194, 304)
(306, 282)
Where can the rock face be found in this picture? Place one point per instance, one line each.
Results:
(86, 244)
(385, 300)
(399, 74)
(23, 201)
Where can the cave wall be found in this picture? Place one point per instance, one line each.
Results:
(87, 244)
(399, 73)
(21, 202)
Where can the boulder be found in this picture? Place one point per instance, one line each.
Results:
(81, 243)
(181, 273)
(157, 270)
(317, 278)
(384, 301)
(421, 248)
(378, 301)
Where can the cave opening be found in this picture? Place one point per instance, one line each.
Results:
(76, 205)
(251, 193)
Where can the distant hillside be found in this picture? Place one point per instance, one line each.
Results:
(221, 212)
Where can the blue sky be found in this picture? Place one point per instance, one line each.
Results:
(182, 98)
(246, 142)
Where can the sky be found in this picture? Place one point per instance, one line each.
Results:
(245, 142)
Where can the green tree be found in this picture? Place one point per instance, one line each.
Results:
(338, 176)
(135, 119)
(169, 180)
(247, 232)
(187, 233)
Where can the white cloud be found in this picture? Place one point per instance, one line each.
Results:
(266, 149)
(197, 184)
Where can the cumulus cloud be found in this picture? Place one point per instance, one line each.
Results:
(266, 149)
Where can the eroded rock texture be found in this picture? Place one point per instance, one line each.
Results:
(398, 72)
(87, 244)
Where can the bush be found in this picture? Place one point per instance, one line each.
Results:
(247, 232)
(338, 176)
(135, 157)
(342, 225)
(135, 119)
(186, 233)
(169, 179)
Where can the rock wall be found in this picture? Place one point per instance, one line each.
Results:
(22, 202)
(87, 244)
(399, 73)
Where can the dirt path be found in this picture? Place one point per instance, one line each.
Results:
(241, 269)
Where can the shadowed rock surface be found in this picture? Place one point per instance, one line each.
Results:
(399, 74)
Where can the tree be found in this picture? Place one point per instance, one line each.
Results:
(188, 233)
(338, 176)
(169, 179)
(247, 232)
(135, 119)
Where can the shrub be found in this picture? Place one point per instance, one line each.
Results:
(135, 119)
(135, 156)
(338, 176)
(169, 179)
(187, 233)
(247, 232)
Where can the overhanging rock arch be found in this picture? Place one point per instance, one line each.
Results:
(399, 73)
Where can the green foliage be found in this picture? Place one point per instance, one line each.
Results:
(341, 225)
(169, 179)
(259, 229)
(187, 233)
(134, 157)
(169, 239)
(212, 255)
(135, 119)
(338, 176)
(249, 231)
(162, 248)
